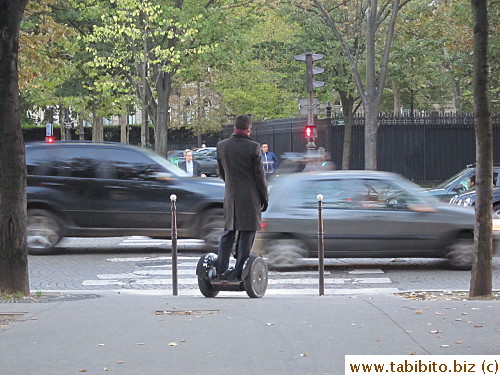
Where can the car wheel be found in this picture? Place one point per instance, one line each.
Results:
(286, 253)
(212, 226)
(43, 231)
(461, 254)
(496, 211)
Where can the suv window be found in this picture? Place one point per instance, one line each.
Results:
(39, 162)
(131, 165)
(76, 161)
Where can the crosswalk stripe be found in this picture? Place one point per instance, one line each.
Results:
(156, 272)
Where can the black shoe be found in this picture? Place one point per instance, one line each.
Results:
(230, 276)
(227, 274)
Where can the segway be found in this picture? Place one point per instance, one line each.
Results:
(253, 277)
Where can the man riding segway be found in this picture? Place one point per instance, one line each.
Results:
(240, 166)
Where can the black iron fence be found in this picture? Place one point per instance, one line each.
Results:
(425, 148)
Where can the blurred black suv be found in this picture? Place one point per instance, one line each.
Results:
(87, 189)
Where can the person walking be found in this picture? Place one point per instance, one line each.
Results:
(269, 159)
(245, 196)
(192, 167)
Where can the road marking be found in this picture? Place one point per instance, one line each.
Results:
(361, 271)
(156, 272)
(182, 244)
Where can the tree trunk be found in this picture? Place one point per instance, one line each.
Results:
(13, 255)
(123, 120)
(457, 96)
(481, 278)
(397, 98)
(371, 131)
(97, 128)
(81, 128)
(348, 112)
(163, 89)
(61, 122)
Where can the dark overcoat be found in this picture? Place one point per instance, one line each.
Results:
(196, 167)
(240, 166)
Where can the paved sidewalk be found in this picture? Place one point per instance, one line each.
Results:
(133, 334)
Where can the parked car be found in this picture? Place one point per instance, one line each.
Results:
(366, 214)
(458, 183)
(86, 189)
(469, 200)
(175, 156)
(208, 162)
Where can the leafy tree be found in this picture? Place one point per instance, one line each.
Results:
(312, 35)
(375, 22)
(145, 42)
(13, 255)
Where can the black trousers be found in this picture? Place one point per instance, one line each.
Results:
(244, 243)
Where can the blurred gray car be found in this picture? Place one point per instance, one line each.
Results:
(367, 214)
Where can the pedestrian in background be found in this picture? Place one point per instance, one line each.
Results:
(192, 167)
(245, 196)
(269, 159)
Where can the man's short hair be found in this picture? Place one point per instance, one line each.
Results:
(243, 122)
(186, 151)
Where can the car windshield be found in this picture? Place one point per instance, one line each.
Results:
(450, 180)
(171, 168)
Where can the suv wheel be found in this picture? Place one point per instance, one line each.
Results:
(211, 228)
(285, 253)
(43, 231)
(461, 254)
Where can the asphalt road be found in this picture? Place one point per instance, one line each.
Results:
(144, 266)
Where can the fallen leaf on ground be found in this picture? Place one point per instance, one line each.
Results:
(172, 344)
(418, 312)
(303, 355)
(435, 331)
(444, 346)
(270, 324)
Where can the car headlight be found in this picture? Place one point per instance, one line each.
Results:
(453, 200)
(467, 202)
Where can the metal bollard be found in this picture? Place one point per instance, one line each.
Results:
(173, 199)
(321, 246)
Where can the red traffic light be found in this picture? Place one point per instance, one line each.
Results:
(310, 131)
(50, 139)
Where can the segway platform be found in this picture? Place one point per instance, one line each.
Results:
(253, 278)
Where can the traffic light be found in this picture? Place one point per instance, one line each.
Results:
(50, 139)
(310, 131)
(311, 71)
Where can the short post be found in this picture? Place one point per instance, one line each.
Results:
(173, 199)
(321, 247)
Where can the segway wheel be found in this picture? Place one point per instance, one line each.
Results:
(255, 283)
(206, 288)
(204, 270)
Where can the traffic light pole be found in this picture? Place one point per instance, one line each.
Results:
(309, 58)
